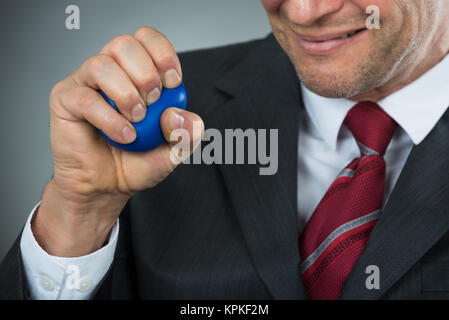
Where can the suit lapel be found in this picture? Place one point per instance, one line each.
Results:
(266, 95)
(414, 219)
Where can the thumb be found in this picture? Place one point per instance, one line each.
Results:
(182, 130)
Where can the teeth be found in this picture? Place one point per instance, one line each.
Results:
(348, 35)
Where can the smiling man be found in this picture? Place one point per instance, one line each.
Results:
(361, 193)
(368, 65)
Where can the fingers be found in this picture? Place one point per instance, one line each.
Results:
(163, 55)
(87, 104)
(160, 162)
(183, 130)
(135, 60)
(131, 71)
(102, 72)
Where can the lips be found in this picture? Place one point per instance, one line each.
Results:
(328, 43)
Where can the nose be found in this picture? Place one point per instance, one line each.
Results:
(306, 12)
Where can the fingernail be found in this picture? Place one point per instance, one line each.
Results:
(128, 134)
(172, 78)
(176, 120)
(153, 96)
(138, 113)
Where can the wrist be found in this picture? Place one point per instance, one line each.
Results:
(74, 227)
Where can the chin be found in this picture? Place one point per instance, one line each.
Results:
(342, 84)
(328, 91)
(338, 75)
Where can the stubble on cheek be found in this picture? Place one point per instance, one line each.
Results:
(368, 69)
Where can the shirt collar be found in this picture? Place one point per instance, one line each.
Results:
(416, 108)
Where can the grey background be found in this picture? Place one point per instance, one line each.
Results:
(36, 51)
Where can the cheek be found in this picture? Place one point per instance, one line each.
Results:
(385, 6)
(272, 5)
(378, 3)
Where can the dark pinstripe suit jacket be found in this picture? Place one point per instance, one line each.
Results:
(224, 231)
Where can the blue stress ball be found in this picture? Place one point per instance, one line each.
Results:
(149, 133)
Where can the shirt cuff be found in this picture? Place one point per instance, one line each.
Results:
(50, 277)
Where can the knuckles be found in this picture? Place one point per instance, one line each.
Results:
(144, 32)
(168, 60)
(98, 64)
(126, 99)
(148, 81)
(82, 98)
(121, 43)
(56, 90)
(165, 56)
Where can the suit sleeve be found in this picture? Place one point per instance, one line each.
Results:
(13, 286)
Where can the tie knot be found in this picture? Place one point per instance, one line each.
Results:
(371, 127)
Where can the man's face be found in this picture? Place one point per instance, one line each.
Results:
(310, 33)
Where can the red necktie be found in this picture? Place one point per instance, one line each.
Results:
(339, 228)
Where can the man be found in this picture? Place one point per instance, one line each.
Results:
(362, 193)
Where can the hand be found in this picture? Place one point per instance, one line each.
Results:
(92, 180)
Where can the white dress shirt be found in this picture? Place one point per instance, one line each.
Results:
(52, 278)
(325, 148)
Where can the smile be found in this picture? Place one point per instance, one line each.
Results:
(327, 44)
